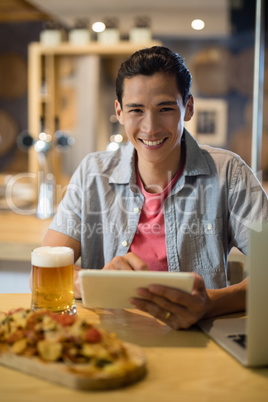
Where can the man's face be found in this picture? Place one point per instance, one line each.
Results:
(153, 114)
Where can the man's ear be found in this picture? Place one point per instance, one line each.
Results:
(189, 110)
(118, 112)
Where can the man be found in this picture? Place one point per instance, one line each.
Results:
(162, 202)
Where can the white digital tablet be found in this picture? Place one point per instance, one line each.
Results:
(113, 289)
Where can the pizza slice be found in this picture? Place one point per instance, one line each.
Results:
(68, 349)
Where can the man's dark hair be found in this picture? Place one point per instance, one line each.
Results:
(157, 59)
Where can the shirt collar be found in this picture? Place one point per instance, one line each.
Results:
(196, 163)
(124, 171)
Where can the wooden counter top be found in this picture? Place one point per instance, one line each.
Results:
(182, 365)
(19, 234)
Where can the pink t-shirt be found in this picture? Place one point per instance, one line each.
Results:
(149, 241)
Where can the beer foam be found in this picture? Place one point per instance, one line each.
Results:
(52, 256)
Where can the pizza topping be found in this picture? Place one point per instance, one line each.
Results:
(93, 335)
(63, 338)
(49, 351)
(19, 346)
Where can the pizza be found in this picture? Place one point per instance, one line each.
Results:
(68, 349)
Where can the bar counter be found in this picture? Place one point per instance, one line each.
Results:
(19, 234)
(182, 365)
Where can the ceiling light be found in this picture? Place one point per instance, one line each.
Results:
(98, 26)
(197, 24)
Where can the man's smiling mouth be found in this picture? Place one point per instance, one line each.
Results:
(153, 143)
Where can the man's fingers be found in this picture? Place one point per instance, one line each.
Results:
(163, 303)
(130, 261)
(173, 306)
(176, 320)
(178, 296)
(136, 263)
(173, 295)
(118, 263)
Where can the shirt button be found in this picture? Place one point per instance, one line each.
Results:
(209, 226)
(136, 210)
(124, 243)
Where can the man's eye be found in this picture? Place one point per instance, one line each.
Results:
(166, 109)
(135, 111)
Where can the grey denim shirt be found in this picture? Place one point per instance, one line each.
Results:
(208, 211)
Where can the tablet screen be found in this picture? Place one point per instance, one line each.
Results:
(113, 289)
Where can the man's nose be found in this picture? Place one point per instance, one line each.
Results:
(150, 124)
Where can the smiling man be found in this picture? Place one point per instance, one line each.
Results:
(162, 202)
(153, 114)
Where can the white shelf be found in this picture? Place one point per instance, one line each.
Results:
(121, 48)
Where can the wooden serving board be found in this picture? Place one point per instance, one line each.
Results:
(62, 374)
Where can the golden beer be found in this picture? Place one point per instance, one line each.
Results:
(52, 279)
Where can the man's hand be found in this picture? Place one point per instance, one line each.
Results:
(77, 288)
(130, 262)
(174, 307)
(178, 309)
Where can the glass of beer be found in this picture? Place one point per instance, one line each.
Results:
(52, 279)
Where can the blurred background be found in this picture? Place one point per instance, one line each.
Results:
(73, 90)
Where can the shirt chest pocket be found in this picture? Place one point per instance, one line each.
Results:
(202, 250)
